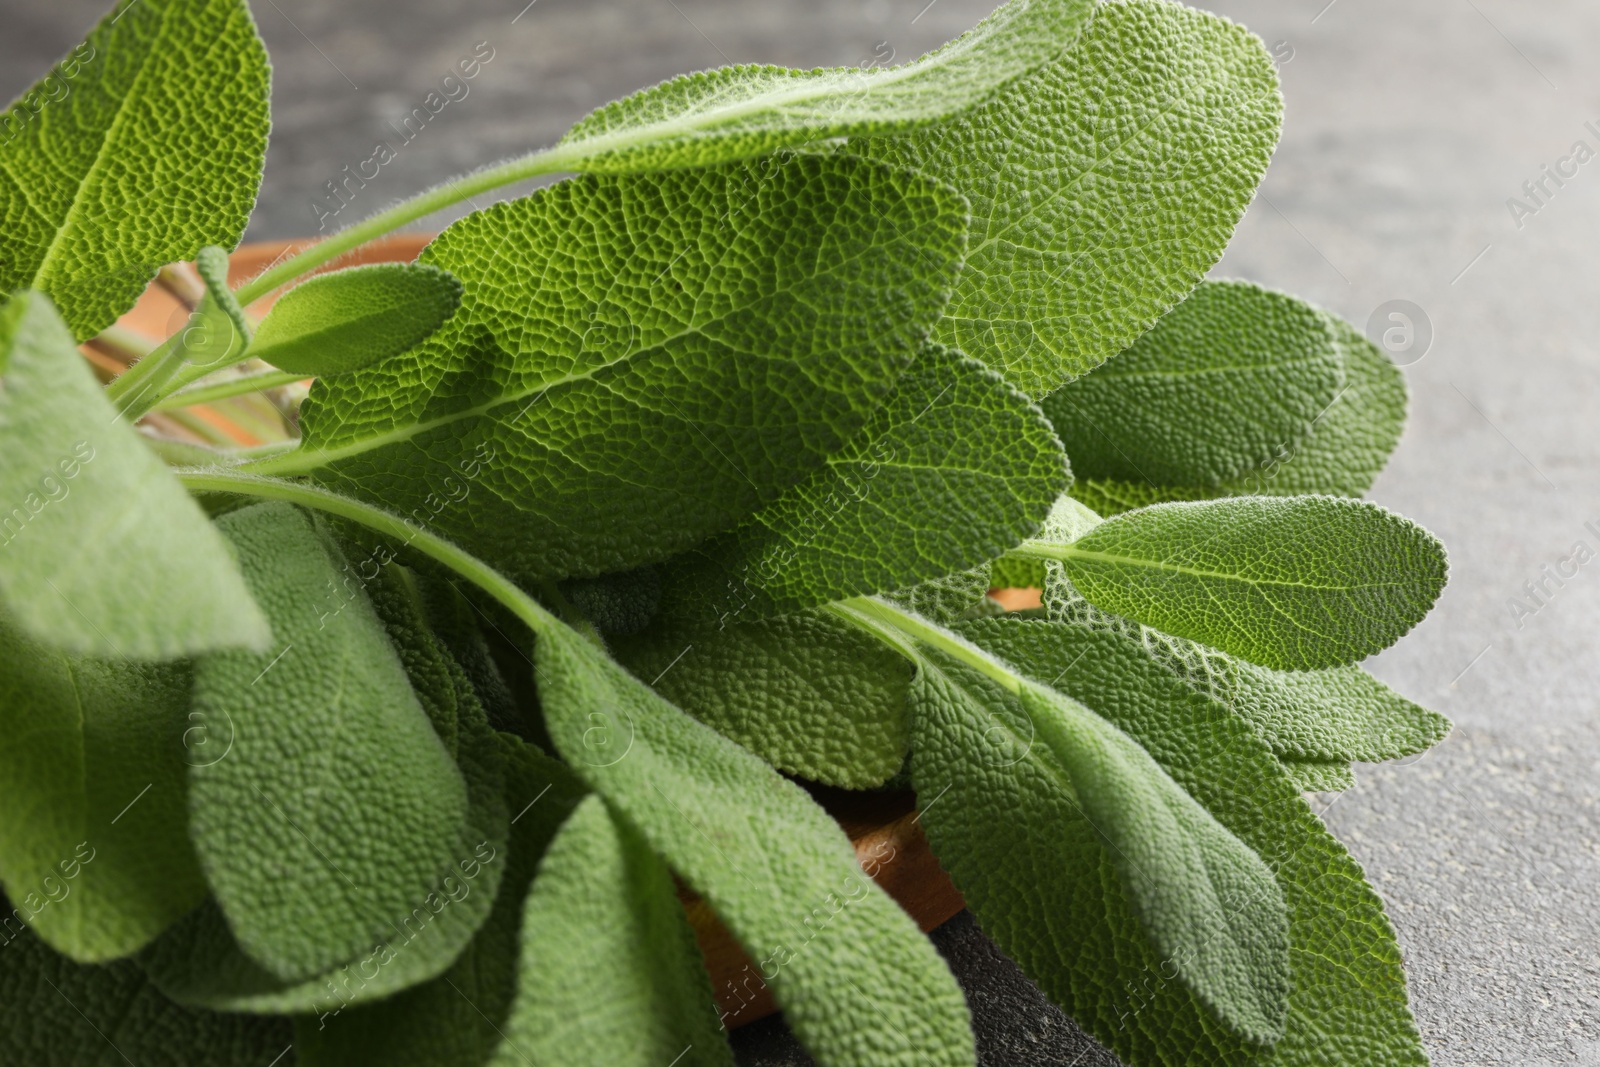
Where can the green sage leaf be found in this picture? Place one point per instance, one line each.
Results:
(603, 925)
(806, 692)
(138, 149)
(956, 468)
(640, 362)
(1076, 934)
(102, 553)
(460, 1018)
(348, 319)
(1338, 714)
(1224, 381)
(94, 851)
(856, 979)
(338, 809)
(1288, 582)
(741, 111)
(1204, 899)
(56, 1013)
(1103, 186)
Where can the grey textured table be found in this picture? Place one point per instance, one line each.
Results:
(1409, 125)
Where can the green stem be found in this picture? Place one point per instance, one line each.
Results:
(550, 161)
(136, 391)
(201, 428)
(208, 394)
(1048, 550)
(408, 533)
(892, 625)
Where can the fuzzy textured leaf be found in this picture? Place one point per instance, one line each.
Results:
(1295, 583)
(338, 809)
(1204, 899)
(640, 362)
(348, 319)
(82, 497)
(1319, 776)
(56, 1013)
(1073, 930)
(740, 111)
(807, 693)
(1103, 186)
(1340, 453)
(610, 970)
(93, 844)
(956, 468)
(460, 1017)
(1224, 381)
(138, 149)
(1338, 714)
(199, 963)
(857, 981)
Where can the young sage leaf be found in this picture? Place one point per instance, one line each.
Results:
(1294, 583)
(101, 551)
(1204, 899)
(153, 151)
(348, 319)
(1339, 452)
(1337, 714)
(1103, 186)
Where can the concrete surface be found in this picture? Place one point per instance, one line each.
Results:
(1410, 123)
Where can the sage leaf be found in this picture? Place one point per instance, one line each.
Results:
(154, 151)
(1340, 452)
(1103, 186)
(578, 425)
(857, 981)
(1349, 442)
(806, 692)
(336, 779)
(460, 1018)
(603, 931)
(198, 962)
(348, 319)
(1076, 934)
(1318, 776)
(954, 469)
(102, 553)
(1289, 582)
(1219, 385)
(93, 847)
(56, 1013)
(1338, 714)
(1205, 901)
(741, 111)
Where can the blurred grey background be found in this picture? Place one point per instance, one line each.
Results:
(1409, 125)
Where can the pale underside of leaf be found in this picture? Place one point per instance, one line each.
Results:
(101, 551)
